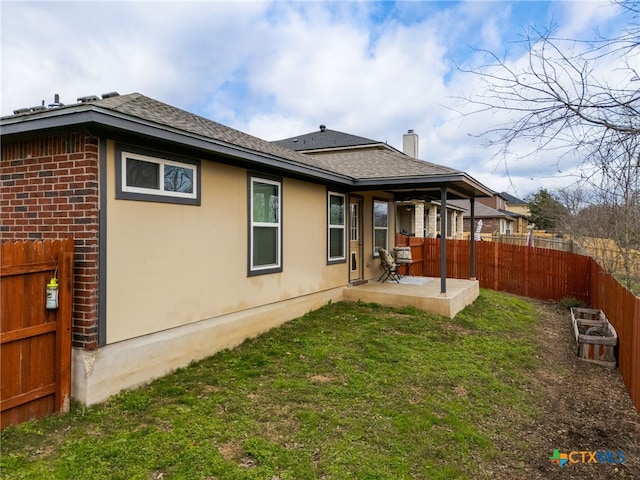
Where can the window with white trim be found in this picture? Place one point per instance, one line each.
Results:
(336, 229)
(265, 232)
(380, 226)
(150, 178)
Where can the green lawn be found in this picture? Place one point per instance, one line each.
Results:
(348, 391)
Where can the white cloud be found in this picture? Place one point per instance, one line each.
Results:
(277, 69)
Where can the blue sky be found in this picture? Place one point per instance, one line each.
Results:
(279, 69)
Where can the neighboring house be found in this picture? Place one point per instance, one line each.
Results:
(521, 209)
(517, 213)
(417, 213)
(191, 236)
(494, 222)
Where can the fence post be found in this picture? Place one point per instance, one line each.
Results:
(63, 332)
(634, 383)
(495, 265)
(527, 249)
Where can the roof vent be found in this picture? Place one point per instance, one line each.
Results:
(56, 102)
(110, 95)
(88, 98)
(21, 111)
(323, 128)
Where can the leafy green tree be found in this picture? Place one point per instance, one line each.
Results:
(547, 213)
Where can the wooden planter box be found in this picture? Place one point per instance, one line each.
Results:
(595, 336)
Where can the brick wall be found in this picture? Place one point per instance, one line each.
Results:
(50, 191)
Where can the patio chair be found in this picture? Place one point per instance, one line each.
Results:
(403, 258)
(389, 266)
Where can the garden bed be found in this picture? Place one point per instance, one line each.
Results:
(595, 337)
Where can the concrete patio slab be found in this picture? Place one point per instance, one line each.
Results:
(427, 297)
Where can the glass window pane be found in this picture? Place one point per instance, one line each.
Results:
(336, 243)
(265, 245)
(143, 174)
(178, 179)
(380, 239)
(336, 210)
(265, 202)
(380, 214)
(354, 222)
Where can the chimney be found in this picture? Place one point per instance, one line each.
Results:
(410, 144)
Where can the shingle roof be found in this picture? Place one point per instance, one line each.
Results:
(146, 108)
(512, 200)
(481, 210)
(324, 139)
(380, 163)
(381, 166)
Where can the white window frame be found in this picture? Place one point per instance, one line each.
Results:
(162, 162)
(503, 226)
(385, 228)
(354, 222)
(277, 266)
(331, 227)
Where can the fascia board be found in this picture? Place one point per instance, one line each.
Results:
(434, 181)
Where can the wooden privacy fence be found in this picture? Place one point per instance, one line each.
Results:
(35, 343)
(548, 275)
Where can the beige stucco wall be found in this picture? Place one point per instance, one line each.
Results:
(169, 265)
(98, 374)
(176, 280)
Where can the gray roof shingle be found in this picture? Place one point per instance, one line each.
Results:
(380, 163)
(155, 111)
(512, 200)
(323, 139)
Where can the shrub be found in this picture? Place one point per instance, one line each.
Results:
(569, 302)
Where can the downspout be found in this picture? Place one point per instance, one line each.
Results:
(472, 229)
(443, 241)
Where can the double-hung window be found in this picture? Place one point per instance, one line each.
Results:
(142, 176)
(265, 229)
(380, 226)
(336, 231)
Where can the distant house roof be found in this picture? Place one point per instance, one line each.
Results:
(483, 211)
(512, 200)
(136, 114)
(324, 139)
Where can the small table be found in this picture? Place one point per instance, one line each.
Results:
(408, 264)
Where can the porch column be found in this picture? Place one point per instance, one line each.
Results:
(454, 223)
(472, 228)
(418, 219)
(432, 228)
(460, 226)
(443, 242)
